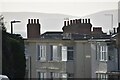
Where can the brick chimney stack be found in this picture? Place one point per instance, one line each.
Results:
(97, 30)
(79, 26)
(33, 28)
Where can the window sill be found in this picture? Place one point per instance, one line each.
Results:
(103, 60)
(54, 61)
(70, 60)
(41, 60)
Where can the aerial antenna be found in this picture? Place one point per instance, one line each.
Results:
(67, 19)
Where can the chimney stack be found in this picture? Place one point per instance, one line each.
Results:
(97, 30)
(33, 29)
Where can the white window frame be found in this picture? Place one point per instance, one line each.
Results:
(103, 53)
(64, 53)
(41, 52)
(64, 75)
(97, 52)
(55, 53)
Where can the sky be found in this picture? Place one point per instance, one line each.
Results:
(69, 7)
(77, 8)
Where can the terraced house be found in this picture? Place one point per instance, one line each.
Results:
(80, 51)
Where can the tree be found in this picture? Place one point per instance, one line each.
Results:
(13, 57)
(2, 25)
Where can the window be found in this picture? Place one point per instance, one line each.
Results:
(67, 36)
(64, 75)
(54, 75)
(67, 53)
(70, 51)
(41, 54)
(42, 76)
(70, 75)
(102, 76)
(54, 53)
(26, 50)
(103, 53)
(97, 52)
(64, 53)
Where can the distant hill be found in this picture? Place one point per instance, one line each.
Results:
(101, 19)
(49, 22)
(54, 22)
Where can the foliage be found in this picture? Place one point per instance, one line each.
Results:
(13, 57)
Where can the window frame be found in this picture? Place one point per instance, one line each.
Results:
(68, 54)
(41, 77)
(41, 52)
(103, 53)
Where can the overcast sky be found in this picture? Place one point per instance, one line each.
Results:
(69, 7)
(77, 8)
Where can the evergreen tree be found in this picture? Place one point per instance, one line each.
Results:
(13, 57)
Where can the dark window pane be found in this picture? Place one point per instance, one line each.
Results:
(70, 55)
(70, 48)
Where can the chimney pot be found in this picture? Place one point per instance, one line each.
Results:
(85, 20)
(76, 21)
(64, 23)
(88, 20)
(114, 30)
(34, 21)
(71, 22)
(28, 21)
(80, 20)
(37, 21)
(67, 23)
(31, 21)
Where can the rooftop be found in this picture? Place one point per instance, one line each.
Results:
(69, 36)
